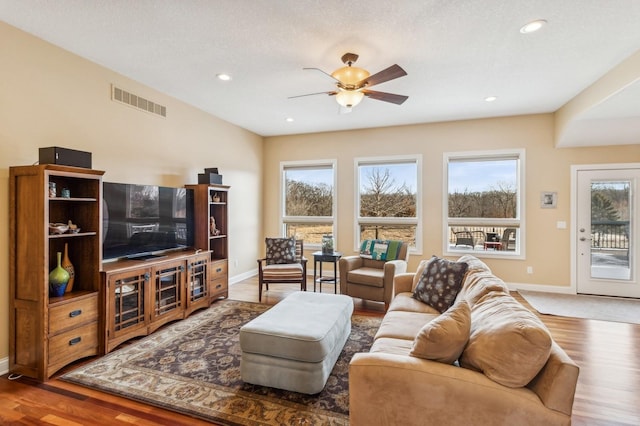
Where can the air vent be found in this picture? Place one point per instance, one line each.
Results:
(121, 95)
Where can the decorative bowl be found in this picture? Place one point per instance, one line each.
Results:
(58, 228)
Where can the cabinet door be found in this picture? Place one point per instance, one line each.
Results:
(166, 293)
(197, 288)
(127, 300)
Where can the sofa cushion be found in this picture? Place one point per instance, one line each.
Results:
(403, 325)
(478, 283)
(416, 277)
(389, 345)
(444, 338)
(406, 302)
(280, 250)
(440, 283)
(508, 343)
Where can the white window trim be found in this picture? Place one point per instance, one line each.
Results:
(311, 164)
(390, 159)
(519, 221)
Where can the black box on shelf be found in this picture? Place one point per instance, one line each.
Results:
(209, 178)
(64, 157)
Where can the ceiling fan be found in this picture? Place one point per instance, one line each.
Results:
(353, 83)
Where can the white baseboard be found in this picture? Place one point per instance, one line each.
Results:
(541, 287)
(4, 365)
(240, 277)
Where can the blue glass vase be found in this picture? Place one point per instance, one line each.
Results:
(58, 279)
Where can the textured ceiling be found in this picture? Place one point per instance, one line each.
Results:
(456, 53)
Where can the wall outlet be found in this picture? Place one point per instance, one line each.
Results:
(529, 269)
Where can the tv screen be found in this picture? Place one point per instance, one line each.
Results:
(143, 220)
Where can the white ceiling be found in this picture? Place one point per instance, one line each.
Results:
(456, 53)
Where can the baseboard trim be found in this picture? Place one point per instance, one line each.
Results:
(541, 287)
(241, 277)
(4, 366)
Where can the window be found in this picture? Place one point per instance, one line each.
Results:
(388, 205)
(483, 202)
(309, 200)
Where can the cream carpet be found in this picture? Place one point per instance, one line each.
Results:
(603, 308)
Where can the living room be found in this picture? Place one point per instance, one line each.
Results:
(52, 97)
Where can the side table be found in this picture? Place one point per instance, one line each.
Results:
(318, 258)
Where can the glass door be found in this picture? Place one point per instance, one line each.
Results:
(607, 232)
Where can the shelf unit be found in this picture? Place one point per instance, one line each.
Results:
(212, 201)
(47, 333)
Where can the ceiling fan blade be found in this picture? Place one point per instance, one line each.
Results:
(386, 97)
(394, 71)
(323, 72)
(312, 94)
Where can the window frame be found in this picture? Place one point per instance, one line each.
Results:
(329, 220)
(518, 222)
(417, 221)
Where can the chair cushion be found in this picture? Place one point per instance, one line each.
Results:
(444, 338)
(282, 271)
(280, 250)
(440, 283)
(367, 276)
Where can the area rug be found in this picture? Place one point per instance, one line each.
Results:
(193, 367)
(603, 308)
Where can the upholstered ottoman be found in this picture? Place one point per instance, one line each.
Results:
(295, 344)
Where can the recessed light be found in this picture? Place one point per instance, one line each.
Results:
(289, 119)
(490, 98)
(533, 26)
(223, 77)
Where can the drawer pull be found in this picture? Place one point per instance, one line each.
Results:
(75, 341)
(75, 313)
(219, 270)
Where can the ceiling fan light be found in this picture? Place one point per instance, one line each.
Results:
(349, 98)
(350, 75)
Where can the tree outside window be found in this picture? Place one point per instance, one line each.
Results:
(308, 200)
(388, 199)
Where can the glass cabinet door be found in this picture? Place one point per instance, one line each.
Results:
(129, 301)
(166, 292)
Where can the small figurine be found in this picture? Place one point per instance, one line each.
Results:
(213, 231)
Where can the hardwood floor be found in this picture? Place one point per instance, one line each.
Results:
(608, 390)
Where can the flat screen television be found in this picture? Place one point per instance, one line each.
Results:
(145, 221)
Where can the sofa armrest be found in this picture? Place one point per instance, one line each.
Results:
(556, 383)
(390, 389)
(402, 283)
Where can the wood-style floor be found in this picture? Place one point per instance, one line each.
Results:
(608, 392)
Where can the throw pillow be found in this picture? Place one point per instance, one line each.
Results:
(444, 338)
(280, 250)
(508, 343)
(440, 283)
(374, 249)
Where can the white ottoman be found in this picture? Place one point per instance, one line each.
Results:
(295, 344)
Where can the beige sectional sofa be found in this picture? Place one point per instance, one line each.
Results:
(510, 371)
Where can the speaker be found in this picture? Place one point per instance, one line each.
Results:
(64, 157)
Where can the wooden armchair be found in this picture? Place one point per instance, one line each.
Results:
(284, 264)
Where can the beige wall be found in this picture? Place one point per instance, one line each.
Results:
(547, 169)
(50, 97)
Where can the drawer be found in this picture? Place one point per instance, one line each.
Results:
(73, 314)
(218, 286)
(218, 269)
(70, 344)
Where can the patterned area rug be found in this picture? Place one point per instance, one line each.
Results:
(193, 367)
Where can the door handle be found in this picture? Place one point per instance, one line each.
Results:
(585, 239)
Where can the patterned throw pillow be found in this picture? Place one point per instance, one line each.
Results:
(280, 250)
(440, 283)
